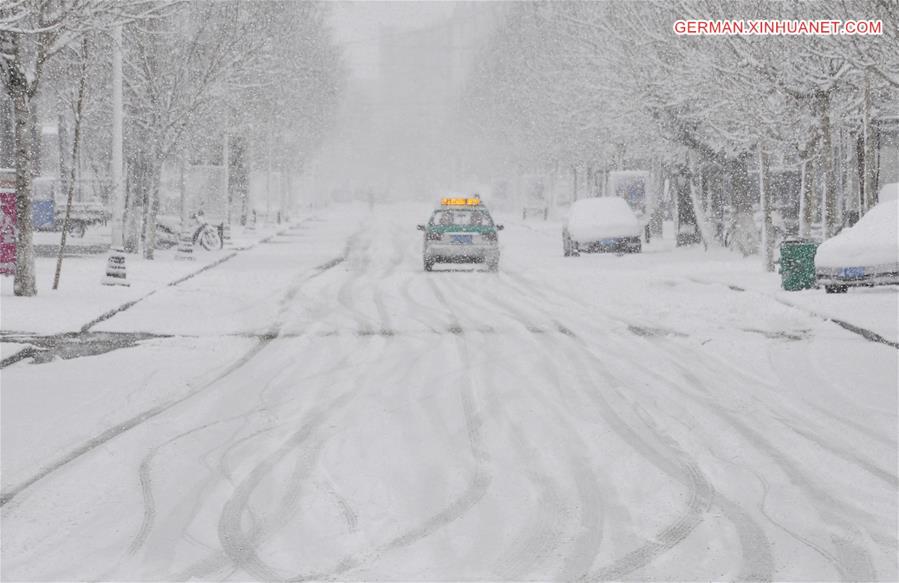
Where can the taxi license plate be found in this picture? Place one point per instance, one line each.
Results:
(853, 272)
(461, 239)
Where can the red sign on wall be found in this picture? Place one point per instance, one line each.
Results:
(7, 232)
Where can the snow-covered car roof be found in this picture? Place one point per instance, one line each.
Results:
(592, 219)
(874, 240)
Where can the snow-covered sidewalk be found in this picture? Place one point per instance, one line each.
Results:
(81, 297)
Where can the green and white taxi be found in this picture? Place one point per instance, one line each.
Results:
(461, 230)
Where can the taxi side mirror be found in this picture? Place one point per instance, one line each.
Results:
(420, 227)
(500, 227)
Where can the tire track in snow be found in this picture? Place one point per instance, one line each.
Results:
(224, 470)
(856, 563)
(473, 493)
(701, 493)
(482, 478)
(809, 370)
(359, 264)
(350, 517)
(218, 559)
(721, 369)
(146, 483)
(672, 461)
(214, 562)
(396, 259)
(759, 563)
(240, 546)
(853, 458)
(853, 561)
(792, 534)
(541, 536)
(585, 546)
(127, 425)
(705, 359)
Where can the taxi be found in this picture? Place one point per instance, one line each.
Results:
(461, 230)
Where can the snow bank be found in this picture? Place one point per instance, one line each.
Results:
(591, 219)
(872, 241)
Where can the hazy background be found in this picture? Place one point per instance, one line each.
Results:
(396, 135)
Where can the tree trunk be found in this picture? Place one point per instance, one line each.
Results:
(226, 178)
(829, 192)
(151, 208)
(182, 188)
(702, 223)
(140, 184)
(807, 200)
(62, 142)
(79, 105)
(767, 224)
(573, 182)
(130, 234)
(860, 169)
(869, 140)
(745, 231)
(24, 284)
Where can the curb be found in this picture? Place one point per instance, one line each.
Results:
(863, 332)
(868, 335)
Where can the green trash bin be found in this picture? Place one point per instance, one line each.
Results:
(797, 264)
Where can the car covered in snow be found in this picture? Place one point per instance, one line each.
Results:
(865, 254)
(461, 230)
(601, 224)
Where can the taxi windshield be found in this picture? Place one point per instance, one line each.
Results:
(461, 218)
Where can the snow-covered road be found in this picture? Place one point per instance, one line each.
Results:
(320, 407)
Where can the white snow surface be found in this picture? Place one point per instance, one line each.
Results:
(873, 240)
(319, 407)
(592, 219)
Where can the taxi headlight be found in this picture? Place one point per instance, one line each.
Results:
(434, 236)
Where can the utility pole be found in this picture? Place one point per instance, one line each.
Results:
(868, 183)
(115, 265)
(226, 186)
(829, 192)
(118, 184)
(268, 172)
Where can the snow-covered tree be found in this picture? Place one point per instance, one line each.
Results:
(583, 82)
(32, 33)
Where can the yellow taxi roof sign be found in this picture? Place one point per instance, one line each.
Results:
(449, 201)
